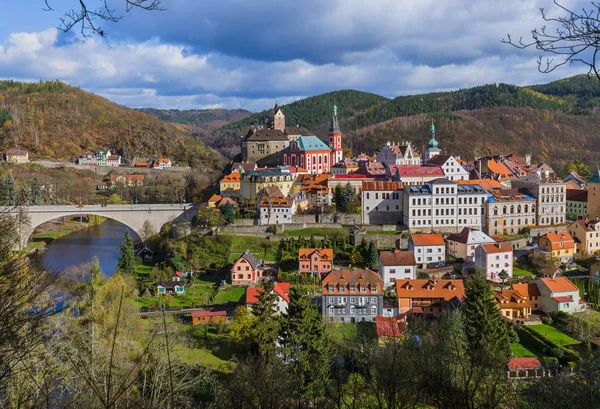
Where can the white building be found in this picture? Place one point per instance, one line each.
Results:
(397, 265)
(550, 194)
(381, 202)
(450, 166)
(163, 163)
(559, 294)
(427, 248)
(275, 210)
(282, 299)
(113, 160)
(494, 258)
(404, 154)
(442, 205)
(463, 244)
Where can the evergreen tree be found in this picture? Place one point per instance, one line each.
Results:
(228, 213)
(485, 328)
(10, 190)
(306, 346)
(127, 263)
(372, 258)
(348, 196)
(36, 192)
(266, 325)
(3, 200)
(338, 198)
(177, 261)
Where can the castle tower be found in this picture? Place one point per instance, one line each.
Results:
(593, 196)
(335, 138)
(432, 145)
(277, 121)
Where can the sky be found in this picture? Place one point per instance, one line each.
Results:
(199, 54)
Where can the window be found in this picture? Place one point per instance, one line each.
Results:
(352, 288)
(331, 288)
(374, 309)
(352, 300)
(330, 311)
(363, 289)
(342, 289)
(393, 271)
(352, 310)
(331, 300)
(373, 300)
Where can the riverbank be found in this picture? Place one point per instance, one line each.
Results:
(53, 230)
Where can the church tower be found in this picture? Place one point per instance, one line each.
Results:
(335, 138)
(432, 145)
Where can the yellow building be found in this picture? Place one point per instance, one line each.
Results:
(559, 245)
(587, 235)
(253, 182)
(229, 186)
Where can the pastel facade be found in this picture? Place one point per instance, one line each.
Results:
(401, 154)
(550, 195)
(559, 294)
(381, 202)
(315, 261)
(246, 270)
(427, 297)
(463, 244)
(427, 248)
(508, 212)
(493, 258)
(586, 234)
(397, 265)
(558, 245)
(17, 156)
(512, 304)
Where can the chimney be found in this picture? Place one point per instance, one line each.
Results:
(528, 159)
(497, 244)
(396, 251)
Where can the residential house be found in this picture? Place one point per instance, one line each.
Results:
(246, 270)
(373, 169)
(344, 167)
(102, 157)
(314, 189)
(450, 166)
(253, 182)
(558, 245)
(315, 261)
(281, 290)
(101, 186)
(275, 210)
(113, 160)
(308, 152)
(575, 181)
(88, 160)
(208, 317)
(229, 186)
(442, 205)
(559, 294)
(531, 292)
(463, 244)
(401, 154)
(145, 253)
(352, 295)
(397, 265)
(381, 202)
(170, 287)
(162, 163)
(427, 248)
(549, 193)
(428, 297)
(17, 156)
(355, 180)
(414, 174)
(586, 234)
(577, 201)
(512, 304)
(493, 258)
(216, 201)
(509, 211)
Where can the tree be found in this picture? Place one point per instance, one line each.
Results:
(372, 257)
(10, 190)
(208, 217)
(36, 192)
(228, 212)
(343, 198)
(177, 261)
(147, 231)
(241, 325)
(503, 275)
(114, 199)
(581, 168)
(127, 262)
(575, 40)
(266, 325)
(88, 19)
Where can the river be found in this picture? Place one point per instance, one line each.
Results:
(80, 247)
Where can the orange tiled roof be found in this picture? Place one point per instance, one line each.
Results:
(282, 289)
(215, 198)
(346, 277)
(433, 239)
(511, 299)
(527, 290)
(397, 258)
(519, 364)
(498, 247)
(499, 168)
(232, 177)
(446, 289)
(325, 254)
(559, 284)
(486, 184)
(277, 201)
(562, 237)
(381, 185)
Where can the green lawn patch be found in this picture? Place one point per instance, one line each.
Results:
(209, 279)
(520, 351)
(208, 349)
(519, 272)
(261, 248)
(233, 294)
(553, 334)
(316, 231)
(338, 331)
(144, 268)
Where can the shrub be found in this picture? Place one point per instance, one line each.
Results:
(548, 347)
(550, 362)
(547, 320)
(512, 334)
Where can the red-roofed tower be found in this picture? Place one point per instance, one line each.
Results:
(335, 138)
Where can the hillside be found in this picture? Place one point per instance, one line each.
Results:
(53, 120)
(200, 118)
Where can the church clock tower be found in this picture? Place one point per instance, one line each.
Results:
(335, 138)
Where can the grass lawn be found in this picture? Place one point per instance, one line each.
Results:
(233, 294)
(520, 351)
(554, 334)
(144, 268)
(195, 296)
(256, 246)
(209, 279)
(316, 231)
(340, 331)
(519, 272)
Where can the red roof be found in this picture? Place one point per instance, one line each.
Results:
(559, 284)
(516, 364)
(417, 170)
(433, 239)
(209, 313)
(527, 290)
(389, 327)
(562, 299)
(282, 289)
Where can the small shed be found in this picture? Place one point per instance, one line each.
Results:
(208, 317)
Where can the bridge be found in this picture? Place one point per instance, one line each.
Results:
(132, 215)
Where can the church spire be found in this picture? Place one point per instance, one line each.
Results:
(432, 142)
(334, 128)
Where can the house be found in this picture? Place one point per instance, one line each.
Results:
(102, 157)
(559, 294)
(170, 287)
(282, 290)
(355, 180)
(450, 166)
(252, 183)
(577, 204)
(509, 211)
(395, 265)
(314, 189)
(246, 270)
(315, 261)
(559, 245)
(381, 202)
(145, 253)
(275, 210)
(208, 317)
(17, 156)
(575, 180)
(414, 174)
(494, 258)
(88, 160)
(586, 234)
(531, 292)
(427, 248)
(352, 295)
(113, 160)
(126, 180)
(344, 167)
(101, 186)
(398, 154)
(216, 201)
(389, 328)
(463, 244)
(512, 304)
(162, 163)
(229, 186)
(428, 297)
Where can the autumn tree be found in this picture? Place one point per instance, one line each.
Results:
(147, 231)
(581, 168)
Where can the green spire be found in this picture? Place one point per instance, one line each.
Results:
(334, 109)
(432, 144)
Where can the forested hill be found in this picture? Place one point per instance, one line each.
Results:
(201, 118)
(53, 120)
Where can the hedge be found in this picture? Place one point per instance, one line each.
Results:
(546, 346)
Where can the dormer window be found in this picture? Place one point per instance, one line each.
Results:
(331, 288)
(352, 288)
(363, 289)
(374, 288)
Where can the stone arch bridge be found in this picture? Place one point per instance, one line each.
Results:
(133, 216)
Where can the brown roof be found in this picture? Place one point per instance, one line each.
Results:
(511, 299)
(113, 157)
(486, 184)
(297, 130)
(325, 254)
(277, 201)
(577, 195)
(498, 247)
(527, 290)
(559, 284)
(397, 258)
(556, 239)
(381, 185)
(264, 134)
(346, 277)
(433, 239)
(16, 152)
(439, 159)
(446, 289)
